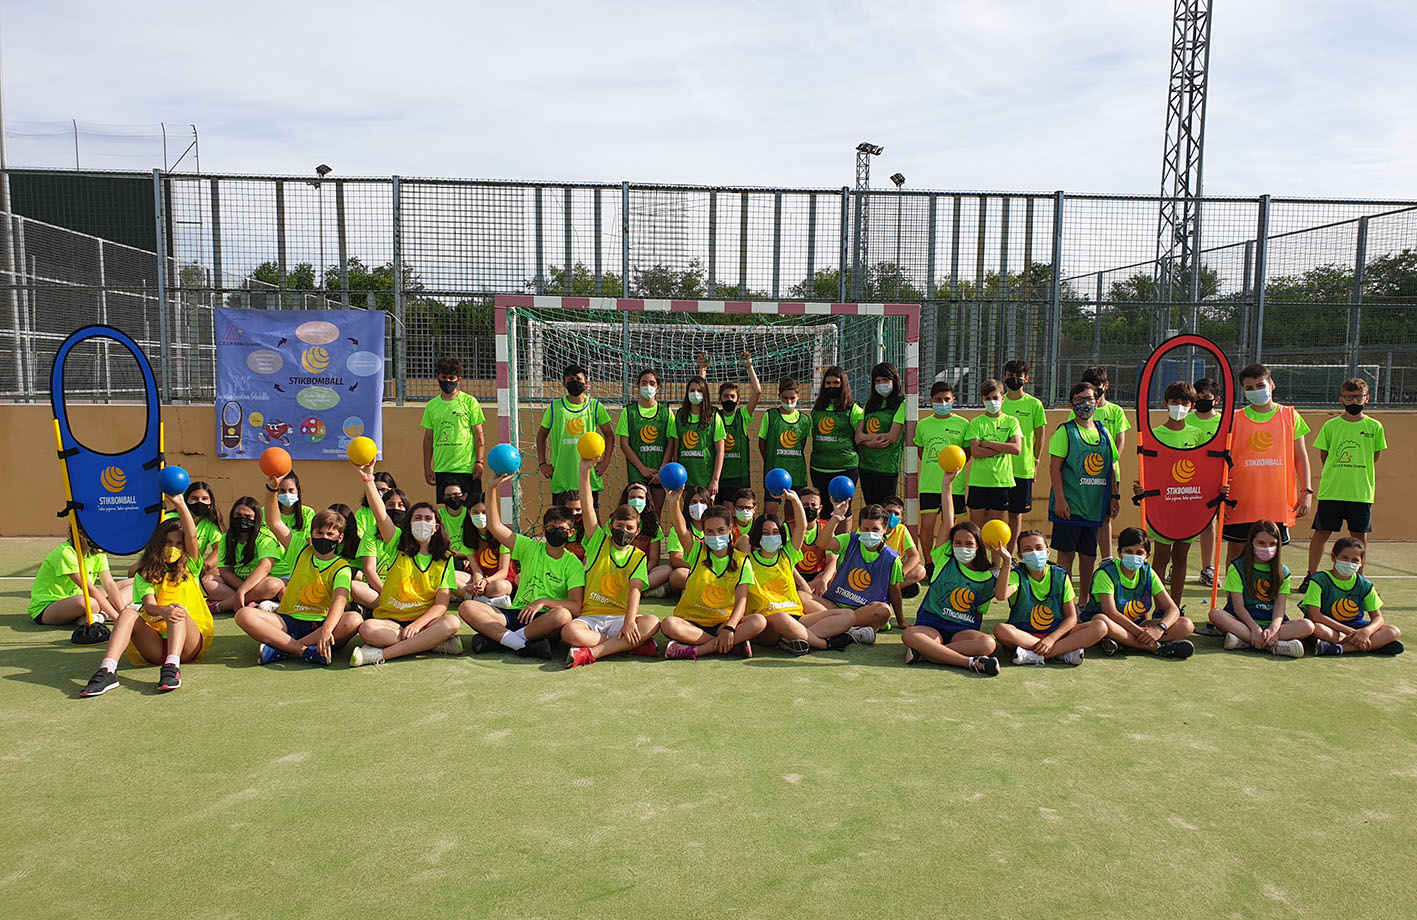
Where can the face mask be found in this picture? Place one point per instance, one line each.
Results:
(744, 515)
(1085, 409)
(1035, 559)
(448, 386)
(695, 397)
(199, 509)
(1204, 405)
(1351, 409)
(479, 521)
(575, 387)
(943, 409)
(729, 404)
(557, 537)
(894, 521)
(789, 405)
(398, 516)
(647, 391)
(831, 393)
(242, 525)
(965, 554)
(1132, 561)
(172, 555)
(1014, 383)
(812, 514)
(697, 509)
(1265, 553)
(1258, 397)
(288, 499)
(771, 542)
(637, 503)
(870, 539)
(1342, 568)
(718, 541)
(323, 545)
(622, 537)
(453, 504)
(992, 406)
(422, 530)
(1178, 412)
(885, 389)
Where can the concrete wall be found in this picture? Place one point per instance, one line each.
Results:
(31, 471)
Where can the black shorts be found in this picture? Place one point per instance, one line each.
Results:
(1331, 516)
(930, 503)
(1239, 533)
(821, 481)
(989, 498)
(298, 629)
(877, 487)
(471, 485)
(727, 488)
(1021, 497)
(1070, 538)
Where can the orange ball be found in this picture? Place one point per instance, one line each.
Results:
(275, 462)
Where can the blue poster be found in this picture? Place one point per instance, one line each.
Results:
(309, 382)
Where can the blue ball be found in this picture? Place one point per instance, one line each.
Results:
(673, 477)
(504, 459)
(841, 488)
(173, 480)
(777, 481)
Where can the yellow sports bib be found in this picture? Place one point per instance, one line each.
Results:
(408, 590)
(774, 589)
(188, 593)
(607, 585)
(708, 598)
(896, 539)
(310, 592)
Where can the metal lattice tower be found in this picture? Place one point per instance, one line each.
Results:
(1178, 238)
(864, 152)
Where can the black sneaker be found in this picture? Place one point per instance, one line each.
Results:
(1303, 585)
(1107, 646)
(537, 648)
(170, 680)
(988, 666)
(103, 681)
(913, 657)
(1327, 649)
(838, 643)
(481, 645)
(1392, 648)
(1180, 649)
(796, 647)
(910, 591)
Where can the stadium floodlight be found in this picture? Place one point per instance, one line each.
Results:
(898, 179)
(323, 170)
(874, 150)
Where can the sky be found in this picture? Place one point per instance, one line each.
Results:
(1306, 98)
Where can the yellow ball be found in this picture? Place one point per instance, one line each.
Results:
(995, 533)
(362, 451)
(951, 458)
(591, 446)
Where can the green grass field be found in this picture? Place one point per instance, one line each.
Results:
(1229, 785)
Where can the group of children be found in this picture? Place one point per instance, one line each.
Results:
(800, 572)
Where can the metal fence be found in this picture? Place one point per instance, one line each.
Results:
(1321, 290)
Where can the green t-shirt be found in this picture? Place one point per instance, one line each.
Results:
(1102, 582)
(541, 575)
(1207, 426)
(672, 538)
(843, 543)
(1029, 411)
(208, 536)
(450, 572)
(52, 582)
(1182, 439)
(618, 555)
(834, 439)
(934, 433)
(567, 423)
(786, 435)
(1350, 471)
(452, 526)
(383, 551)
(883, 459)
(1112, 416)
(1314, 593)
(1040, 588)
(267, 547)
(452, 422)
(696, 445)
(996, 471)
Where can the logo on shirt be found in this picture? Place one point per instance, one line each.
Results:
(859, 579)
(1261, 442)
(962, 599)
(1041, 617)
(649, 434)
(873, 426)
(314, 596)
(826, 424)
(715, 596)
(1093, 464)
(113, 479)
(1134, 610)
(788, 439)
(729, 442)
(776, 584)
(1183, 471)
(487, 558)
(811, 559)
(1345, 609)
(612, 584)
(691, 439)
(1262, 589)
(575, 426)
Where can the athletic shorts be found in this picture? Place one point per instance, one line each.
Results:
(1073, 538)
(727, 488)
(512, 618)
(821, 481)
(930, 503)
(947, 629)
(877, 487)
(1157, 538)
(607, 625)
(1239, 533)
(297, 628)
(989, 498)
(471, 485)
(1021, 496)
(1331, 516)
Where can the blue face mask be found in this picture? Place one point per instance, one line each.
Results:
(1035, 559)
(1258, 397)
(870, 539)
(1133, 561)
(943, 409)
(771, 542)
(718, 542)
(894, 521)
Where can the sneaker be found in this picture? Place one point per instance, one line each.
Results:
(1180, 649)
(1108, 646)
(913, 657)
(1303, 585)
(366, 654)
(481, 645)
(1394, 647)
(987, 666)
(268, 655)
(449, 646)
(1327, 649)
(910, 591)
(1073, 658)
(537, 648)
(841, 642)
(1232, 642)
(102, 681)
(646, 649)
(796, 647)
(1209, 629)
(1208, 575)
(743, 649)
(212, 608)
(312, 655)
(681, 651)
(578, 657)
(1027, 656)
(1288, 648)
(501, 602)
(171, 678)
(656, 592)
(886, 627)
(863, 635)
(269, 606)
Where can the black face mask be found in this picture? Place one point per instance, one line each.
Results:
(1353, 409)
(812, 513)
(831, 393)
(323, 545)
(453, 504)
(729, 404)
(199, 509)
(622, 537)
(448, 386)
(575, 387)
(398, 516)
(242, 525)
(1014, 383)
(1204, 405)
(557, 537)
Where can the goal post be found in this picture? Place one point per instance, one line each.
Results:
(615, 339)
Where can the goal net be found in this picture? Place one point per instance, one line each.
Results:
(539, 336)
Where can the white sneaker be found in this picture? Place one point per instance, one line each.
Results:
(501, 601)
(1233, 642)
(655, 592)
(1073, 658)
(862, 635)
(269, 606)
(1289, 648)
(449, 646)
(1027, 656)
(366, 654)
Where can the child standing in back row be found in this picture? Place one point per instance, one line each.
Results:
(1111, 417)
(994, 440)
(1031, 422)
(1349, 448)
(1175, 433)
(942, 428)
(1083, 471)
(1206, 418)
(737, 418)
(782, 438)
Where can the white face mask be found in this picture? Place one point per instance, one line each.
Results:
(718, 542)
(942, 408)
(885, 389)
(1343, 568)
(965, 554)
(697, 509)
(744, 515)
(422, 530)
(479, 521)
(288, 499)
(992, 406)
(1035, 559)
(647, 391)
(1132, 561)
(637, 503)
(1178, 412)
(771, 542)
(870, 539)
(695, 397)
(1258, 397)
(789, 405)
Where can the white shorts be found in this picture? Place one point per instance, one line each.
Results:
(607, 626)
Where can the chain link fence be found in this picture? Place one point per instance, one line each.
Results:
(1320, 290)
